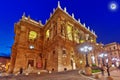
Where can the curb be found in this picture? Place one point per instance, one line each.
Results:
(86, 76)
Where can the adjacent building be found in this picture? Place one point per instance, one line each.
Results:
(4, 63)
(113, 50)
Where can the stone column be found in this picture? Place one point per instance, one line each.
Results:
(96, 59)
(59, 52)
(58, 26)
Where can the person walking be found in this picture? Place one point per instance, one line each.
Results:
(102, 70)
(118, 68)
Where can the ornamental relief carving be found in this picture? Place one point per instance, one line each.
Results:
(31, 55)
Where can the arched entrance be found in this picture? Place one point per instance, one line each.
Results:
(73, 64)
(31, 63)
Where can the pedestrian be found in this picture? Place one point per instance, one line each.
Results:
(118, 68)
(102, 70)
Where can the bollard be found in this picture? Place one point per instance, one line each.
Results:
(26, 74)
(38, 73)
(50, 72)
(79, 72)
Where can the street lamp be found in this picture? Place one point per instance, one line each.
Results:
(103, 55)
(85, 48)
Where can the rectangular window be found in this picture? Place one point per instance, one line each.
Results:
(114, 47)
(64, 51)
(69, 32)
(76, 36)
(47, 34)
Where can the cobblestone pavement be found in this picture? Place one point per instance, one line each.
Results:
(68, 75)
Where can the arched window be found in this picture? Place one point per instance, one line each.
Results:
(47, 34)
(82, 37)
(64, 54)
(32, 35)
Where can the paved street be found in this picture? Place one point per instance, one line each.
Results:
(70, 75)
(114, 74)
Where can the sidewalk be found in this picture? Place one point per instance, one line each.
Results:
(114, 74)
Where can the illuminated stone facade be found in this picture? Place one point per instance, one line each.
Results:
(51, 46)
(113, 50)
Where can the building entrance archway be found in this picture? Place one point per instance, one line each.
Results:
(31, 63)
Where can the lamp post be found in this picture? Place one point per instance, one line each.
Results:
(103, 55)
(108, 72)
(86, 48)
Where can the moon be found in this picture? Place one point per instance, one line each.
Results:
(113, 6)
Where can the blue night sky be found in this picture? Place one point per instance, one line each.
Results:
(95, 13)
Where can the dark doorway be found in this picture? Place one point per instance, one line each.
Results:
(72, 63)
(45, 64)
(31, 63)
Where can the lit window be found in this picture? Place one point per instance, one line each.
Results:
(69, 32)
(82, 41)
(76, 36)
(47, 33)
(32, 35)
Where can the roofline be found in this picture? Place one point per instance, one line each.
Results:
(71, 18)
(8, 57)
(110, 43)
(28, 19)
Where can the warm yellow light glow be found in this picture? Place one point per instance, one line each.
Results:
(32, 35)
(82, 41)
(81, 61)
(76, 38)
(47, 33)
(92, 40)
(69, 29)
(69, 32)
(7, 66)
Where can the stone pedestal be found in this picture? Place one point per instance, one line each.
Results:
(109, 78)
(88, 71)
